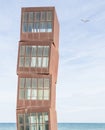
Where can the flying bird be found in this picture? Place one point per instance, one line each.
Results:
(85, 20)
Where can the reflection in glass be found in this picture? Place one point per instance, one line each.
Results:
(40, 94)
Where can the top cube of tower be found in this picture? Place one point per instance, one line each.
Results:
(39, 24)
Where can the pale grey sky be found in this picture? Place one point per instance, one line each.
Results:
(81, 78)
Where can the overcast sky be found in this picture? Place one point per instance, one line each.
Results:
(81, 78)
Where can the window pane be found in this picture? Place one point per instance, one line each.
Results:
(25, 16)
(30, 27)
(40, 49)
(28, 93)
(34, 83)
(27, 118)
(21, 128)
(36, 26)
(40, 82)
(40, 127)
(31, 16)
(33, 118)
(43, 27)
(33, 61)
(46, 51)
(27, 128)
(27, 61)
(49, 16)
(43, 16)
(40, 94)
(21, 94)
(33, 127)
(40, 119)
(49, 27)
(22, 50)
(46, 94)
(37, 16)
(21, 119)
(46, 83)
(39, 61)
(45, 62)
(46, 117)
(24, 27)
(21, 82)
(33, 53)
(34, 94)
(21, 61)
(28, 50)
(28, 82)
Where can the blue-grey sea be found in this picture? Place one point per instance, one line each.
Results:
(62, 126)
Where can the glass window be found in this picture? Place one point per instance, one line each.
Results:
(49, 27)
(28, 93)
(21, 61)
(46, 83)
(28, 82)
(40, 82)
(28, 50)
(46, 51)
(33, 62)
(33, 118)
(34, 83)
(22, 50)
(40, 94)
(21, 128)
(49, 16)
(46, 94)
(21, 94)
(27, 119)
(25, 17)
(31, 14)
(24, 27)
(30, 27)
(40, 48)
(37, 16)
(43, 27)
(21, 118)
(33, 52)
(34, 94)
(43, 16)
(27, 127)
(36, 27)
(27, 61)
(45, 62)
(21, 82)
(39, 62)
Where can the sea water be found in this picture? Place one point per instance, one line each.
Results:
(62, 126)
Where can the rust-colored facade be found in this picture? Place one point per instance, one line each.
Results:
(37, 69)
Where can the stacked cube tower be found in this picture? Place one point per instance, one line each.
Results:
(37, 69)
